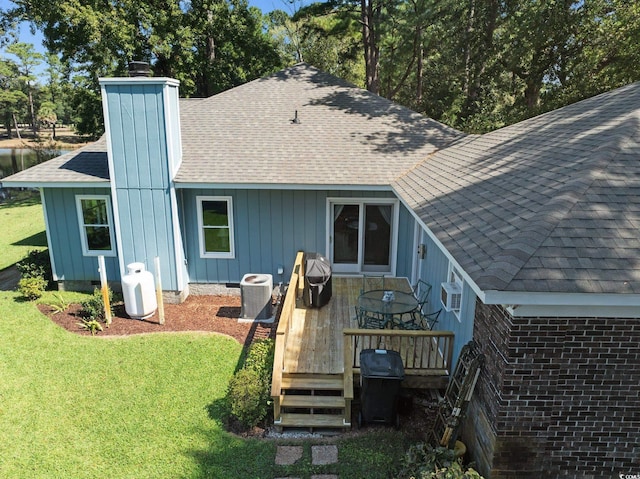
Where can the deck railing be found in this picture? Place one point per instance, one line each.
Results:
(426, 355)
(294, 291)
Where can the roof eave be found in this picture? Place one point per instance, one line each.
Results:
(55, 184)
(282, 186)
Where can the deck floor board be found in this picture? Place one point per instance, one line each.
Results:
(316, 333)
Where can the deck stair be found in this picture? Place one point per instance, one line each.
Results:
(313, 401)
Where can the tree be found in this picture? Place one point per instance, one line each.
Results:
(54, 92)
(28, 60)
(209, 45)
(12, 98)
(324, 35)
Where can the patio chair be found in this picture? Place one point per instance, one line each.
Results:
(422, 321)
(372, 281)
(368, 320)
(421, 291)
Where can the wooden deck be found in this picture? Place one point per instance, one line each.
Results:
(316, 336)
(316, 361)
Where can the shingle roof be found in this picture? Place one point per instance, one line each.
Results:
(86, 165)
(551, 204)
(346, 135)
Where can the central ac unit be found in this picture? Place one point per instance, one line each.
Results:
(255, 292)
(451, 296)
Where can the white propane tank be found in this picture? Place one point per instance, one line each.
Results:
(139, 292)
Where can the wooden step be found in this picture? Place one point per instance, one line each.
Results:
(312, 382)
(312, 420)
(311, 402)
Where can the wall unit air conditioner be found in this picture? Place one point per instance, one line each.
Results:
(255, 291)
(451, 296)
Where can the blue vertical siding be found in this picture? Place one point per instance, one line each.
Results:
(270, 227)
(139, 128)
(405, 243)
(146, 231)
(138, 137)
(64, 231)
(434, 270)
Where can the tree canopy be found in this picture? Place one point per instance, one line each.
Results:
(474, 64)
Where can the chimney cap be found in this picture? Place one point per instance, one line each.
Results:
(139, 69)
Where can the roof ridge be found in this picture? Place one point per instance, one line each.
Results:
(519, 251)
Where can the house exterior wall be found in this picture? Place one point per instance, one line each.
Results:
(558, 397)
(434, 269)
(64, 233)
(146, 231)
(270, 227)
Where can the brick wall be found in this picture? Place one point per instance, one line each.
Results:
(558, 397)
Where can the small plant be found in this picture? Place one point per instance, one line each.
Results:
(93, 308)
(91, 325)
(59, 305)
(32, 288)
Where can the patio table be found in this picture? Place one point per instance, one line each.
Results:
(390, 304)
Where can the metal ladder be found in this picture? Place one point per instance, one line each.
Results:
(453, 406)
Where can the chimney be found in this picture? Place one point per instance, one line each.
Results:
(139, 69)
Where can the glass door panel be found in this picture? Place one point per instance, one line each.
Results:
(346, 237)
(377, 238)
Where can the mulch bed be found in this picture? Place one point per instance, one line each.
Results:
(214, 314)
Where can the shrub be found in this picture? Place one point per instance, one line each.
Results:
(246, 396)
(32, 287)
(423, 461)
(249, 393)
(93, 308)
(260, 357)
(35, 264)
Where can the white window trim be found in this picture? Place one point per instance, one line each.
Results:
(203, 254)
(83, 234)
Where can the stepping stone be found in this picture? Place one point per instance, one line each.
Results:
(324, 455)
(287, 455)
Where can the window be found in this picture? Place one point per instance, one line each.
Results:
(96, 232)
(215, 223)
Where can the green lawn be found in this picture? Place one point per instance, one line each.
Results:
(143, 406)
(22, 227)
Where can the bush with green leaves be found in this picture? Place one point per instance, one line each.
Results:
(35, 264)
(32, 288)
(93, 308)
(423, 461)
(260, 357)
(249, 392)
(247, 397)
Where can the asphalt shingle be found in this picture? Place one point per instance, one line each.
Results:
(561, 188)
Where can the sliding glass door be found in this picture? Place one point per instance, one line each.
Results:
(362, 236)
